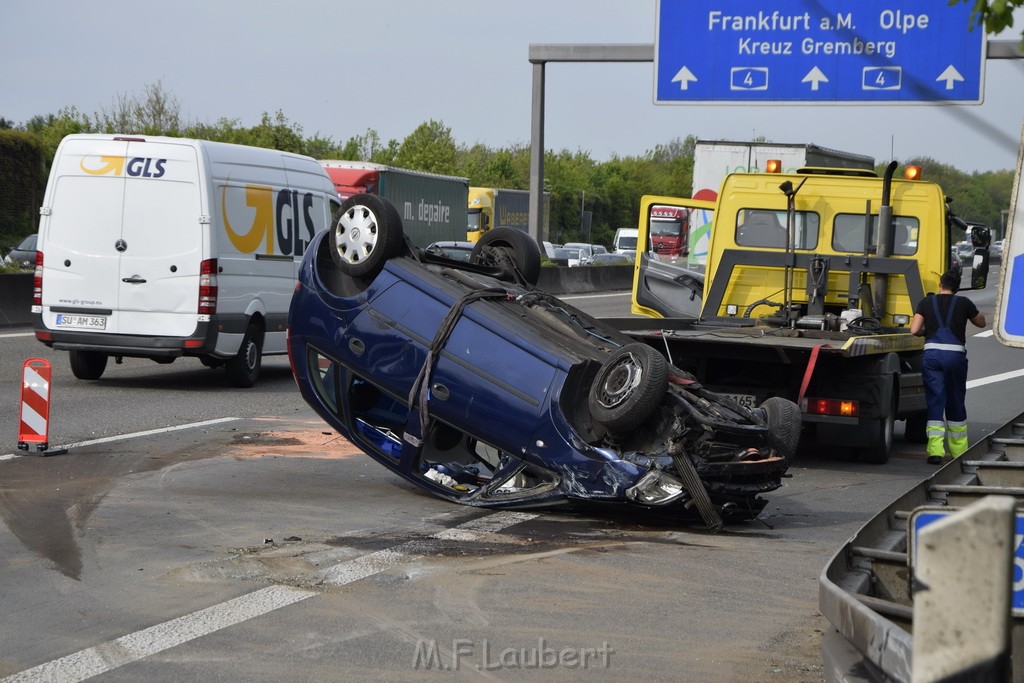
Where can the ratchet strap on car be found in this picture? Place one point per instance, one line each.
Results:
(420, 391)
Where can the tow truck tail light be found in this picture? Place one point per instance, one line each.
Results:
(773, 166)
(208, 287)
(37, 281)
(831, 406)
(912, 173)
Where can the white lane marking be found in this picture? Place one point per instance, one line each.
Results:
(104, 658)
(133, 647)
(122, 437)
(380, 560)
(986, 333)
(992, 379)
(17, 334)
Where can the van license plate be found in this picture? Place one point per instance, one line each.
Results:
(745, 400)
(92, 322)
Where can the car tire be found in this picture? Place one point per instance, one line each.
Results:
(784, 426)
(628, 387)
(366, 232)
(87, 364)
(243, 368)
(511, 243)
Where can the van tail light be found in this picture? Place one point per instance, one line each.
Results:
(37, 281)
(208, 287)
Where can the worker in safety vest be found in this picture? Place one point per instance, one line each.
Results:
(942, 319)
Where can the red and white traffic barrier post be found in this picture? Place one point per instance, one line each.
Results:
(34, 426)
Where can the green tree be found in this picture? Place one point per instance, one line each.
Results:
(430, 148)
(994, 15)
(155, 111)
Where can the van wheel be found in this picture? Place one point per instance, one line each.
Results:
(244, 367)
(628, 387)
(367, 232)
(783, 426)
(510, 249)
(87, 364)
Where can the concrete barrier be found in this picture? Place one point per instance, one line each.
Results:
(16, 288)
(585, 280)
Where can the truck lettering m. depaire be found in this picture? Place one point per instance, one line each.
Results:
(156, 247)
(811, 280)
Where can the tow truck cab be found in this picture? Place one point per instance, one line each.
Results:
(804, 258)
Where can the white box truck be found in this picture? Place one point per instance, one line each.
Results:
(157, 247)
(715, 159)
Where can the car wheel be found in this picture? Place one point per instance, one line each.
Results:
(783, 426)
(498, 245)
(628, 387)
(244, 367)
(366, 233)
(87, 364)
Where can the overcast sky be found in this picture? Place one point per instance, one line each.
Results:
(338, 68)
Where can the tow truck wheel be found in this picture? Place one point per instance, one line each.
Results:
(877, 453)
(498, 245)
(366, 233)
(628, 387)
(783, 426)
(87, 364)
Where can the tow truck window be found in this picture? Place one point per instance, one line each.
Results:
(848, 234)
(766, 228)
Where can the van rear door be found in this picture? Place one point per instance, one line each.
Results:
(124, 241)
(163, 237)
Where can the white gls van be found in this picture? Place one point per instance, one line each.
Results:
(157, 247)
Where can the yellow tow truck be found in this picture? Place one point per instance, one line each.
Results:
(810, 281)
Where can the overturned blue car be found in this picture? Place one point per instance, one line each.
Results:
(465, 379)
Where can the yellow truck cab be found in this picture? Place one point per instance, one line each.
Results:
(810, 282)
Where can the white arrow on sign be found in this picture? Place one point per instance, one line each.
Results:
(683, 77)
(950, 75)
(815, 77)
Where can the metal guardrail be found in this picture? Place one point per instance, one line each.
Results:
(865, 590)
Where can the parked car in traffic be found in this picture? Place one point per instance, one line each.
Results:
(568, 257)
(466, 380)
(585, 250)
(24, 254)
(616, 259)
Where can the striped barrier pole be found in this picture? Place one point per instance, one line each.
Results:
(34, 425)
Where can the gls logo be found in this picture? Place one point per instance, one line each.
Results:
(286, 210)
(138, 167)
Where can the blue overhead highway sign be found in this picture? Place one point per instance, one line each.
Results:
(817, 52)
